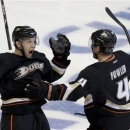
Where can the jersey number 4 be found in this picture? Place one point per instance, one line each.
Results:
(123, 89)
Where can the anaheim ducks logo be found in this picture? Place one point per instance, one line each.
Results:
(104, 34)
(23, 71)
(17, 29)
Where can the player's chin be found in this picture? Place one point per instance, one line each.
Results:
(28, 55)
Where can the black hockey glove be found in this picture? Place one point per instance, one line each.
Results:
(39, 90)
(60, 47)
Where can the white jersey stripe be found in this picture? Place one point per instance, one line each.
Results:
(57, 69)
(118, 107)
(14, 100)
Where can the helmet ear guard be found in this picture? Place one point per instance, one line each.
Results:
(18, 39)
(37, 41)
(109, 50)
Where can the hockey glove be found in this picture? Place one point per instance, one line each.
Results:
(39, 90)
(60, 47)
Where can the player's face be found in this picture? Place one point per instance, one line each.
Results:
(29, 45)
(95, 50)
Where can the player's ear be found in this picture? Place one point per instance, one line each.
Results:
(97, 48)
(17, 43)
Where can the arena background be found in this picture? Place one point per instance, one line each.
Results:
(77, 19)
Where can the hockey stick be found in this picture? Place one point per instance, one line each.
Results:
(118, 22)
(79, 114)
(6, 24)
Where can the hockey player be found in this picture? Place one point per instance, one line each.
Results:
(104, 85)
(21, 67)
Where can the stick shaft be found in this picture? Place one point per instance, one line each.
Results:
(118, 22)
(6, 24)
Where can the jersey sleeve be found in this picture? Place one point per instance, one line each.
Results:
(87, 82)
(56, 68)
(59, 65)
(90, 78)
(2, 87)
(67, 91)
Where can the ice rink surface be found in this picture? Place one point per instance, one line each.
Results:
(77, 19)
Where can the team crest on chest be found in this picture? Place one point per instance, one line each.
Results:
(24, 70)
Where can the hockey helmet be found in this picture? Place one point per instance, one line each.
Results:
(21, 32)
(104, 38)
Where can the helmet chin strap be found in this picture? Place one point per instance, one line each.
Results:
(96, 55)
(22, 50)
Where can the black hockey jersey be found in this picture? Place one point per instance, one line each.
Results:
(17, 71)
(105, 87)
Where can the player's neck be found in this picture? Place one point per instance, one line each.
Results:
(17, 52)
(102, 58)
